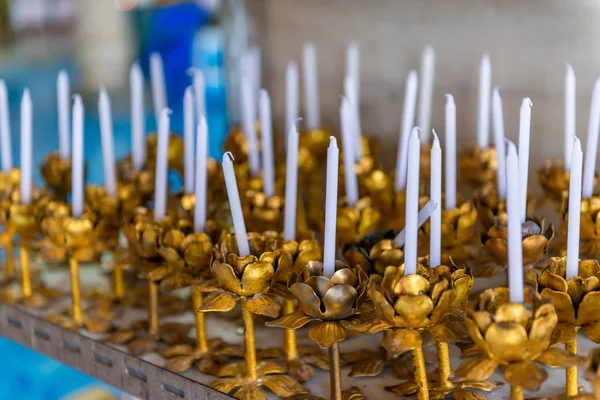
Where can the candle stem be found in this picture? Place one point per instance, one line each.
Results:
(444, 368)
(118, 283)
(201, 343)
(420, 374)
(25, 272)
(335, 373)
(572, 381)
(249, 342)
(516, 393)
(10, 260)
(76, 312)
(152, 307)
(291, 347)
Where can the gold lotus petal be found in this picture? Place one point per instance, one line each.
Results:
(398, 341)
(592, 331)
(326, 333)
(283, 385)
(513, 312)
(438, 289)
(589, 309)
(404, 389)
(442, 306)
(414, 310)
(576, 289)
(141, 346)
(177, 350)
(563, 333)
(540, 331)
(294, 320)
(308, 301)
(548, 279)
(226, 277)
(462, 394)
(158, 274)
(180, 363)
(462, 288)
(339, 302)
(482, 319)
(525, 374)
(378, 299)
(562, 305)
(175, 282)
(499, 249)
(534, 248)
(412, 285)
(263, 304)
(368, 367)
(250, 392)
(219, 301)
(448, 331)
(591, 283)
(256, 278)
(320, 285)
(368, 323)
(588, 268)
(344, 276)
(558, 358)
(477, 336)
(475, 369)
(507, 341)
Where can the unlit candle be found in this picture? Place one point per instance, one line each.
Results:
(162, 166)
(350, 181)
(63, 98)
(408, 121)
(570, 104)
(138, 119)
(311, 87)
(26, 147)
(498, 119)
(188, 140)
(5, 141)
(450, 153)
(331, 199)
(412, 203)
(515, 234)
(574, 219)
(291, 185)
(483, 110)
(266, 126)
(426, 93)
(435, 234)
(235, 205)
(157, 82)
(77, 158)
(591, 149)
(201, 175)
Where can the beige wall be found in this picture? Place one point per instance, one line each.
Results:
(529, 42)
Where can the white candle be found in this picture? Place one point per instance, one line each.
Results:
(350, 93)
(311, 87)
(570, 101)
(350, 180)
(77, 158)
(26, 146)
(63, 98)
(331, 199)
(249, 125)
(591, 149)
(353, 66)
(159, 89)
(524, 136)
(450, 153)
(266, 126)
(515, 234)
(255, 58)
(200, 91)
(138, 120)
(291, 94)
(408, 121)
(291, 185)
(424, 214)
(162, 165)
(188, 140)
(201, 179)
(5, 141)
(574, 211)
(498, 120)
(412, 204)
(426, 93)
(435, 234)
(108, 152)
(236, 207)
(483, 111)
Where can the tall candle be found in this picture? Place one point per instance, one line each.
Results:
(515, 234)
(77, 158)
(159, 90)
(249, 125)
(255, 57)
(5, 142)
(350, 93)
(188, 140)
(483, 110)
(138, 120)
(200, 91)
(311, 87)
(591, 150)
(266, 126)
(424, 214)
(498, 120)
(412, 203)
(201, 178)
(350, 180)
(353, 66)
(291, 185)
(291, 94)
(524, 135)
(450, 153)
(26, 146)
(236, 206)
(570, 101)
(108, 151)
(408, 121)
(162, 166)
(426, 93)
(435, 239)
(331, 199)
(63, 98)
(574, 211)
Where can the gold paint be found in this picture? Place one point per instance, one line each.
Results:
(420, 373)
(444, 367)
(152, 307)
(118, 282)
(10, 259)
(25, 272)
(571, 378)
(76, 311)
(478, 166)
(516, 393)
(289, 338)
(57, 174)
(249, 342)
(335, 373)
(201, 342)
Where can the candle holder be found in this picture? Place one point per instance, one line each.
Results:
(374, 252)
(378, 187)
(57, 174)
(478, 167)
(589, 239)
(263, 213)
(8, 181)
(354, 222)
(249, 280)
(592, 373)
(554, 179)
(329, 304)
(576, 301)
(514, 335)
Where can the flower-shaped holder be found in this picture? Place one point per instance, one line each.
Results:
(516, 336)
(354, 222)
(478, 167)
(249, 280)
(374, 252)
(329, 304)
(57, 174)
(263, 213)
(589, 237)
(554, 179)
(577, 304)
(8, 182)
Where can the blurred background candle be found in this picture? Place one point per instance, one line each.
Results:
(408, 121)
(591, 146)
(426, 93)
(483, 110)
(201, 176)
(200, 92)
(266, 125)
(331, 199)
(435, 239)
(570, 107)
(515, 235)
(108, 151)
(249, 125)
(5, 140)
(450, 152)
(26, 147)
(157, 82)
(291, 95)
(77, 176)
(162, 166)
(350, 180)
(311, 87)
(498, 119)
(291, 185)
(574, 211)
(63, 99)
(188, 140)
(138, 120)
(524, 138)
(412, 203)
(237, 216)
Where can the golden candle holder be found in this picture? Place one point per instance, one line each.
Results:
(248, 280)
(516, 336)
(592, 374)
(329, 304)
(374, 252)
(554, 179)
(57, 175)
(577, 304)
(263, 213)
(589, 238)
(8, 181)
(354, 222)
(478, 167)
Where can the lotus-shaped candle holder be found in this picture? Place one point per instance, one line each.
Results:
(374, 252)
(57, 174)
(354, 222)
(263, 213)
(478, 166)
(589, 238)
(554, 179)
